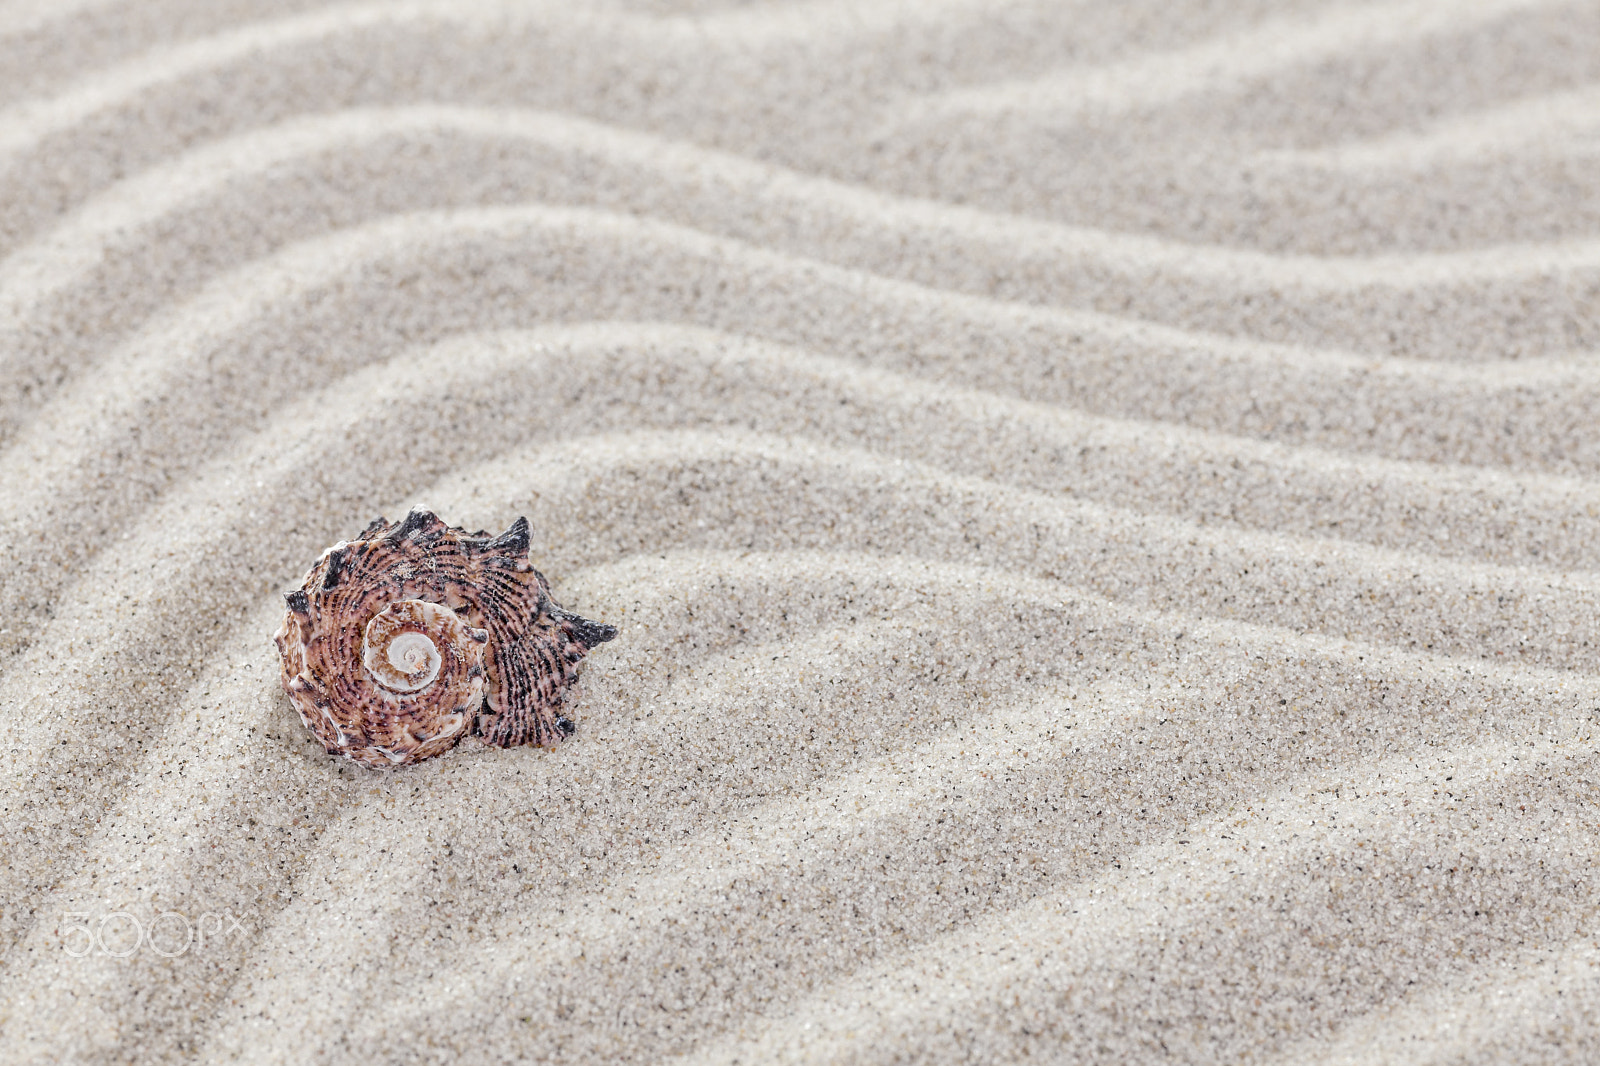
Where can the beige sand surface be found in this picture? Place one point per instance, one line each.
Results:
(1101, 502)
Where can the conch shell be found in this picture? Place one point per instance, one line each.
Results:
(416, 634)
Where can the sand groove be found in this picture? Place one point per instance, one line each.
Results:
(1225, 64)
(1100, 504)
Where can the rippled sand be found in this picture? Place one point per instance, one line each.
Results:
(1101, 503)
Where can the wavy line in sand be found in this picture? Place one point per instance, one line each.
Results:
(158, 362)
(1475, 610)
(1031, 244)
(815, 21)
(1263, 577)
(26, 124)
(44, 269)
(1037, 973)
(674, 576)
(1023, 1010)
(760, 841)
(1544, 125)
(1352, 594)
(836, 403)
(500, 479)
(1470, 609)
(582, 460)
(852, 813)
(829, 816)
(741, 612)
(1226, 64)
(211, 768)
(228, 753)
(1550, 424)
(181, 748)
(1523, 1009)
(1464, 587)
(18, 17)
(613, 496)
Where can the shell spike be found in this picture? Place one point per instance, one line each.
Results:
(582, 630)
(330, 579)
(513, 541)
(417, 519)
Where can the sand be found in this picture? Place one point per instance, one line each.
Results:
(1101, 505)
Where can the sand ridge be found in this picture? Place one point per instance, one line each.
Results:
(1098, 501)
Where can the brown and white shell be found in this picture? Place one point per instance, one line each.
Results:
(416, 634)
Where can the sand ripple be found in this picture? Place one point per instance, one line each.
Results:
(1099, 503)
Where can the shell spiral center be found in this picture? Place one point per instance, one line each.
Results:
(401, 646)
(413, 654)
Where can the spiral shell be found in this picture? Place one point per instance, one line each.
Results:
(416, 634)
